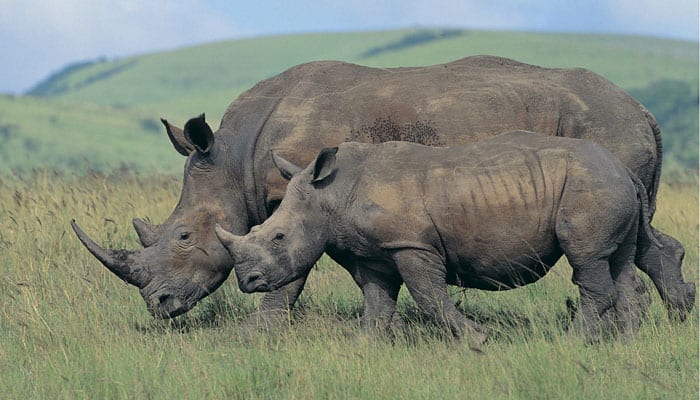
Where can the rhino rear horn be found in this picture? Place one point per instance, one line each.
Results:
(119, 262)
(146, 232)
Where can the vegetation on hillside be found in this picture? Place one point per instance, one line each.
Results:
(412, 39)
(675, 105)
(104, 113)
(69, 136)
(58, 84)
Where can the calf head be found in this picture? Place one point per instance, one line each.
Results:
(182, 260)
(287, 244)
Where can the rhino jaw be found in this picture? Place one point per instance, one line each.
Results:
(119, 262)
(167, 306)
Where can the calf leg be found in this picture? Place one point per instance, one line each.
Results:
(274, 310)
(598, 295)
(633, 297)
(663, 265)
(596, 227)
(425, 276)
(380, 292)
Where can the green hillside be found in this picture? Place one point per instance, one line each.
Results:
(105, 112)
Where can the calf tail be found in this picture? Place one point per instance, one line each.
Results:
(652, 191)
(645, 217)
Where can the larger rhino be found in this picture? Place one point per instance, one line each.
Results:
(230, 177)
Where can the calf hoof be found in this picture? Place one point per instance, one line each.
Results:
(394, 327)
(477, 340)
(475, 336)
(631, 310)
(270, 321)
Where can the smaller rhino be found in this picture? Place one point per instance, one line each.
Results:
(494, 215)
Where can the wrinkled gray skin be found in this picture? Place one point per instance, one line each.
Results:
(492, 215)
(230, 178)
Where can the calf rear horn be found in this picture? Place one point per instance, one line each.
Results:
(118, 261)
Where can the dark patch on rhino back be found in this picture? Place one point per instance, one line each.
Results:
(386, 130)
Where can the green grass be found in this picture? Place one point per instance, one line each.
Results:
(105, 113)
(232, 66)
(69, 329)
(65, 135)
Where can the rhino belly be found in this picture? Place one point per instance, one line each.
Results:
(491, 273)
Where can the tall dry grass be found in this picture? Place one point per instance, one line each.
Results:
(70, 329)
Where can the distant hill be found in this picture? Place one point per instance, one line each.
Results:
(104, 113)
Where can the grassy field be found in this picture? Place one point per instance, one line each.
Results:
(70, 330)
(65, 135)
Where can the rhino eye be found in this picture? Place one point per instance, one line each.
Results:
(279, 236)
(184, 236)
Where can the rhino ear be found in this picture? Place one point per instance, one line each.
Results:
(177, 138)
(199, 134)
(324, 165)
(287, 169)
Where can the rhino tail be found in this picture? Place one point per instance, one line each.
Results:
(645, 217)
(656, 179)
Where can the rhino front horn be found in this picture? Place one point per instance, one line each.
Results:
(118, 261)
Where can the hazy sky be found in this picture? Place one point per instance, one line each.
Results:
(38, 37)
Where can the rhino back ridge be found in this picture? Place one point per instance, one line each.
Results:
(322, 104)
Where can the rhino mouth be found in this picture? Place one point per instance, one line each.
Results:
(253, 281)
(167, 302)
(168, 306)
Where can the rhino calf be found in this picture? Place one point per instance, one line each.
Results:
(496, 214)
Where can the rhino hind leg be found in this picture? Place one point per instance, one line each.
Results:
(598, 297)
(663, 265)
(425, 277)
(633, 298)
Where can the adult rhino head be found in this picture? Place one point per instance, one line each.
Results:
(182, 260)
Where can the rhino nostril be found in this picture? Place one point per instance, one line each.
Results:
(163, 298)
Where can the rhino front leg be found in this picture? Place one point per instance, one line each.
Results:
(663, 265)
(274, 311)
(380, 291)
(425, 276)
